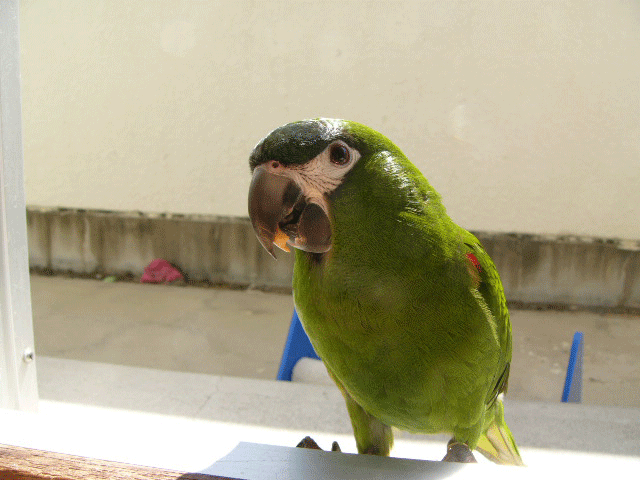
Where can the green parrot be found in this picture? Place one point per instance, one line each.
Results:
(404, 307)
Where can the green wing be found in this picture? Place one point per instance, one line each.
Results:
(488, 283)
(497, 442)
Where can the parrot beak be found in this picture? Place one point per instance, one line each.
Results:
(281, 216)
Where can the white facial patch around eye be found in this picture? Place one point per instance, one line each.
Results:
(320, 176)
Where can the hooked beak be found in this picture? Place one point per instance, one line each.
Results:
(281, 216)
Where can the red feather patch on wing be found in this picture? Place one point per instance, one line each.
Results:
(474, 268)
(474, 261)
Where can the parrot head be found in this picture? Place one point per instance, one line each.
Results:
(298, 170)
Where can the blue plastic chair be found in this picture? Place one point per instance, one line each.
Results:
(572, 392)
(297, 346)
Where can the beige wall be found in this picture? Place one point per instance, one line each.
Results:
(524, 115)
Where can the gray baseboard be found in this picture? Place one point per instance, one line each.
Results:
(547, 270)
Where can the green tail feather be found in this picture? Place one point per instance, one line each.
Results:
(497, 443)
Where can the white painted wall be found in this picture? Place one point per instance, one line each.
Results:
(524, 115)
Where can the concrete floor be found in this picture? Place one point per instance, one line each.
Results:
(92, 338)
(241, 333)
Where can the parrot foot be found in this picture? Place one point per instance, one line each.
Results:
(459, 452)
(308, 442)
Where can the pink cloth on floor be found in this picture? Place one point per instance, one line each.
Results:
(160, 271)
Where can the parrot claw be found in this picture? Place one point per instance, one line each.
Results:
(459, 452)
(308, 442)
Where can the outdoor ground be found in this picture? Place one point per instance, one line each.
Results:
(241, 333)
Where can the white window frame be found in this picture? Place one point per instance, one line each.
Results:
(18, 383)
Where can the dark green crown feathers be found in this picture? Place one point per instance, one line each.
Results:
(298, 142)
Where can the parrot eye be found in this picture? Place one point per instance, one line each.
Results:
(339, 154)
